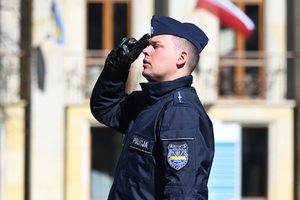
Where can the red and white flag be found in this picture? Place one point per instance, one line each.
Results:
(229, 14)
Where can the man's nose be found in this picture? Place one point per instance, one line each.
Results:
(146, 50)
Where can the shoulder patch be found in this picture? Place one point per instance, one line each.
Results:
(178, 156)
(179, 97)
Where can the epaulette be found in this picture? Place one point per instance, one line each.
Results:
(179, 98)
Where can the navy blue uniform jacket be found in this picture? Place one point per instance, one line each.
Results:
(168, 145)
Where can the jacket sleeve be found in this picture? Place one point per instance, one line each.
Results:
(109, 102)
(187, 146)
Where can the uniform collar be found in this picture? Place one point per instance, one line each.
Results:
(152, 91)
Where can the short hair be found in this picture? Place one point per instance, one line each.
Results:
(194, 56)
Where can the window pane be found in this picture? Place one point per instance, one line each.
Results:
(106, 149)
(93, 73)
(120, 22)
(94, 26)
(227, 40)
(161, 7)
(254, 158)
(251, 81)
(227, 81)
(252, 42)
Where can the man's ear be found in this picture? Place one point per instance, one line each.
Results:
(182, 58)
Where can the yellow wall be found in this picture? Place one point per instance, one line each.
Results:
(14, 151)
(78, 169)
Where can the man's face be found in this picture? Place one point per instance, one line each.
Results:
(160, 59)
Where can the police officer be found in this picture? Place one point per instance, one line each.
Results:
(168, 145)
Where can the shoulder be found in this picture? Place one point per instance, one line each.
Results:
(185, 97)
(184, 110)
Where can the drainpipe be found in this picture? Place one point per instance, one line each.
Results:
(25, 44)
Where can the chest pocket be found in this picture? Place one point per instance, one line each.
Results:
(140, 162)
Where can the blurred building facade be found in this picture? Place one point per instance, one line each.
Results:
(52, 52)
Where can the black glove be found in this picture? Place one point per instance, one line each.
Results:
(129, 50)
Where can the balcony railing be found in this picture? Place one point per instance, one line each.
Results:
(251, 74)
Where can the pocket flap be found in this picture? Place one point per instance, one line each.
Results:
(182, 134)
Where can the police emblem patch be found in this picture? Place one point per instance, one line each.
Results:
(178, 156)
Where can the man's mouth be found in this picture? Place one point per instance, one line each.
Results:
(145, 62)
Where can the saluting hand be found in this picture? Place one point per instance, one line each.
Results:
(129, 50)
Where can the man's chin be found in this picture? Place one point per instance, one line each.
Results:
(147, 76)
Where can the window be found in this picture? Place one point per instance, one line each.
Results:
(225, 178)
(241, 73)
(254, 163)
(239, 169)
(107, 23)
(106, 146)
